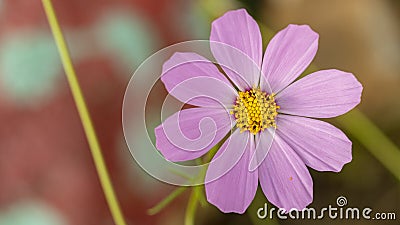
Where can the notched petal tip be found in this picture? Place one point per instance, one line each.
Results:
(241, 12)
(179, 58)
(356, 84)
(232, 189)
(241, 50)
(304, 27)
(223, 209)
(320, 145)
(322, 94)
(344, 162)
(284, 178)
(158, 134)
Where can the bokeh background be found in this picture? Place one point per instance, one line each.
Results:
(47, 176)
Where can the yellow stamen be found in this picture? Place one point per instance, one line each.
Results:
(255, 110)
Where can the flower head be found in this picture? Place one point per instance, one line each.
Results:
(255, 110)
(273, 139)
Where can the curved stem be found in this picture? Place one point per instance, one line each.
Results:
(191, 208)
(84, 114)
(167, 200)
(369, 135)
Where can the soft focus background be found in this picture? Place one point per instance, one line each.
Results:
(47, 176)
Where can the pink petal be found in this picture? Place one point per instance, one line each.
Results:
(191, 77)
(237, 47)
(228, 155)
(321, 146)
(284, 177)
(263, 144)
(190, 133)
(323, 94)
(288, 54)
(234, 191)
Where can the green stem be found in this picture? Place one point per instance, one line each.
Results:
(374, 140)
(161, 205)
(200, 193)
(84, 115)
(191, 208)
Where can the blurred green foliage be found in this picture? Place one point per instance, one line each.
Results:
(126, 36)
(30, 213)
(29, 66)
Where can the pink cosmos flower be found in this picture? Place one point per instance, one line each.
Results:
(273, 139)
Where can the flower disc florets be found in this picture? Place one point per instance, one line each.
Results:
(255, 110)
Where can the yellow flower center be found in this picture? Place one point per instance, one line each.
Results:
(255, 110)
